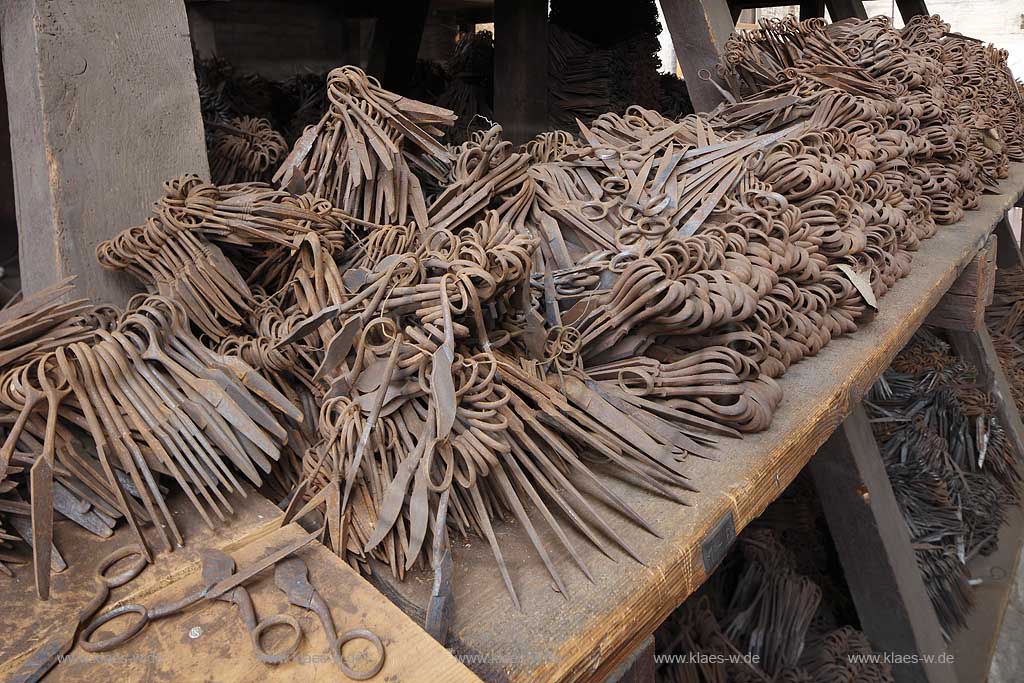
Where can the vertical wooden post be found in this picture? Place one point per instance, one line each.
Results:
(1008, 254)
(8, 217)
(812, 8)
(699, 29)
(873, 543)
(203, 30)
(103, 108)
(396, 42)
(846, 9)
(521, 67)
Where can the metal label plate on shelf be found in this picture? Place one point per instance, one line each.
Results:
(717, 542)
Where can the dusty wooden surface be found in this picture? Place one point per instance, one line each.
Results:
(103, 109)
(584, 634)
(208, 642)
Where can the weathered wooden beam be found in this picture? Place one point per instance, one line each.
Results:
(103, 109)
(396, 42)
(911, 8)
(874, 548)
(963, 306)
(846, 9)
(812, 8)
(699, 29)
(521, 67)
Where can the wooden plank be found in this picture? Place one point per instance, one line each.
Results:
(103, 109)
(911, 8)
(699, 29)
(874, 546)
(210, 637)
(586, 633)
(521, 67)
(846, 9)
(974, 646)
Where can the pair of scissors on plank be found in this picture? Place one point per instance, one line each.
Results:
(292, 577)
(217, 569)
(225, 587)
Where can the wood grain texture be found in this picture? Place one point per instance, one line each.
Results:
(846, 9)
(103, 109)
(874, 546)
(963, 306)
(220, 651)
(699, 30)
(585, 634)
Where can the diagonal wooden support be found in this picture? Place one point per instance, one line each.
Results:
(911, 8)
(699, 29)
(846, 9)
(874, 547)
(811, 8)
(977, 349)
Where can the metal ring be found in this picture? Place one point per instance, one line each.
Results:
(370, 636)
(599, 211)
(129, 572)
(288, 650)
(120, 638)
(614, 185)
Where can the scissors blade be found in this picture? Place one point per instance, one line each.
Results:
(266, 561)
(41, 489)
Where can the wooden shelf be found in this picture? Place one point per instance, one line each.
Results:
(584, 635)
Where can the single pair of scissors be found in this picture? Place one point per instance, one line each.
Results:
(43, 659)
(292, 577)
(220, 581)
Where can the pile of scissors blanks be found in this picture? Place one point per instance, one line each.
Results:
(951, 465)
(758, 619)
(473, 332)
(244, 149)
(1005, 319)
(105, 408)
